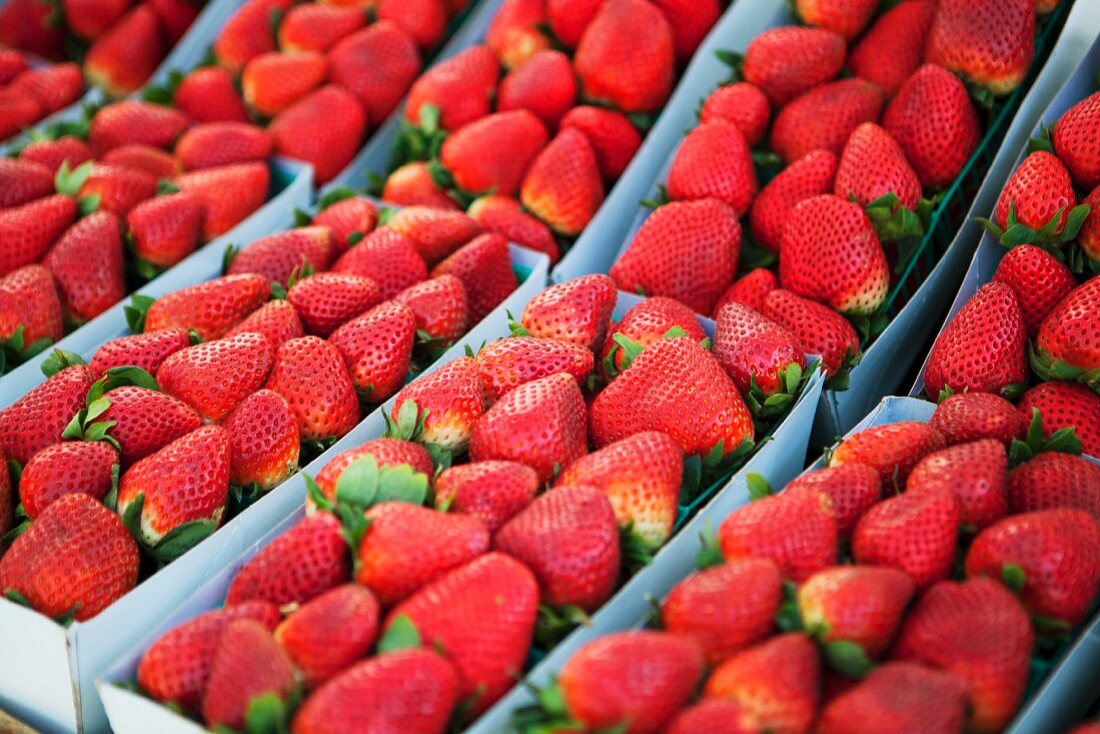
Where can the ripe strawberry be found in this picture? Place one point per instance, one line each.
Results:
(714, 715)
(1068, 344)
(809, 176)
(900, 697)
(273, 81)
(25, 25)
(505, 216)
(914, 532)
(742, 104)
(416, 690)
(166, 229)
(855, 604)
(214, 377)
(1039, 281)
(725, 608)
(65, 468)
(425, 21)
(818, 328)
(971, 416)
(777, 682)
(846, 17)
(796, 530)
(120, 60)
(976, 472)
(222, 143)
(86, 265)
(263, 439)
(449, 403)
(174, 18)
(310, 373)
(440, 306)
(52, 153)
(23, 181)
(543, 85)
(931, 118)
(88, 19)
(19, 112)
(642, 325)
(1072, 143)
(1088, 237)
(482, 616)
(145, 421)
(873, 166)
(989, 43)
(684, 250)
(321, 563)
(247, 33)
(377, 348)
(983, 349)
(277, 256)
(577, 311)
(386, 452)
(824, 118)
(349, 219)
(505, 364)
(690, 22)
(1038, 195)
(514, 34)
(634, 76)
(119, 189)
(436, 233)
(27, 232)
(276, 320)
(184, 482)
(12, 64)
(247, 665)
(209, 308)
(1052, 480)
(1065, 405)
(318, 26)
(387, 257)
(788, 61)
(757, 353)
(75, 560)
(613, 138)
(893, 449)
(324, 129)
(331, 632)
(492, 154)
(751, 289)
(492, 491)
(39, 418)
(207, 94)
(943, 631)
(458, 89)
(485, 269)
(130, 121)
(145, 158)
(713, 161)
(327, 300)
(569, 18)
(853, 489)
(28, 301)
(413, 185)
(228, 194)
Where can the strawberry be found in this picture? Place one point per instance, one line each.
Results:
(86, 265)
(713, 161)
(853, 488)
(777, 682)
(758, 353)
(541, 423)
(492, 491)
(914, 532)
(807, 177)
(846, 17)
(824, 118)
(174, 18)
(214, 377)
(166, 229)
(971, 416)
(568, 19)
(19, 111)
(145, 158)
(893, 47)
(873, 166)
(120, 60)
(788, 61)
(1073, 145)
(1050, 558)
(855, 604)
(23, 181)
(210, 308)
(12, 64)
(457, 90)
(185, 482)
(386, 452)
(492, 154)
(144, 421)
(1088, 237)
(52, 153)
(514, 34)
(984, 348)
(505, 216)
(742, 104)
(248, 665)
(543, 85)
(485, 269)
(684, 250)
(310, 373)
(899, 697)
(321, 563)
(276, 320)
(352, 218)
(690, 23)
(1068, 344)
(436, 233)
(1065, 405)
(66, 468)
(603, 688)
(425, 21)
(207, 94)
(448, 404)
(247, 33)
(931, 118)
(412, 690)
(413, 185)
(377, 348)
(634, 76)
(990, 43)
(327, 300)
(577, 311)
(30, 312)
(318, 26)
(119, 189)
(505, 364)
(27, 232)
(1052, 480)
(751, 289)
(39, 418)
(176, 667)
(74, 561)
(276, 257)
(324, 129)
(943, 632)
(613, 138)
(272, 81)
(1036, 203)
(89, 19)
(725, 608)
(130, 121)
(482, 616)
(796, 530)
(642, 325)
(228, 194)
(26, 24)
(819, 329)
(715, 715)
(892, 449)
(440, 306)
(263, 440)
(221, 143)
(1039, 281)
(976, 472)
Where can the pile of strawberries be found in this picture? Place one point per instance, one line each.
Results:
(84, 218)
(246, 388)
(857, 156)
(424, 582)
(530, 155)
(905, 586)
(1032, 334)
(119, 44)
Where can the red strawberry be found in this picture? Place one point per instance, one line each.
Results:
(326, 300)
(247, 33)
(131, 121)
(39, 418)
(324, 129)
(568, 19)
(514, 34)
(984, 348)
(971, 416)
(277, 256)
(505, 364)
(892, 449)
(742, 104)
(853, 488)
(120, 60)
(991, 655)
(88, 19)
(713, 161)
(165, 229)
(1052, 480)
(726, 608)
(893, 47)
(145, 158)
(210, 308)
(505, 216)
(482, 616)
(65, 468)
(386, 452)
(436, 233)
(485, 269)
(1038, 195)
(757, 352)
(990, 43)
(12, 62)
(263, 439)
(714, 715)
(52, 153)
(23, 181)
(1088, 237)
(613, 137)
(449, 402)
(1068, 344)
(873, 166)
(310, 373)
(976, 472)
(809, 176)
(54, 87)
(214, 377)
(931, 118)
(543, 85)
(846, 17)
(563, 186)
(318, 26)
(221, 143)
(277, 320)
(684, 250)
(119, 189)
(413, 185)
(1039, 281)
(75, 560)
(899, 697)
(1065, 405)
(492, 491)
(642, 325)
(1072, 144)
(29, 302)
(228, 194)
(321, 563)
(24, 24)
(377, 348)
(27, 232)
(690, 22)
(818, 328)
(248, 664)
(458, 89)
(824, 118)
(492, 154)
(634, 76)
(440, 306)
(914, 532)
(349, 219)
(86, 265)
(425, 21)
(207, 94)
(751, 289)
(174, 18)
(577, 311)
(19, 112)
(387, 257)
(855, 604)
(271, 82)
(788, 61)
(330, 632)
(145, 421)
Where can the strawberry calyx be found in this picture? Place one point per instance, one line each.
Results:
(555, 622)
(336, 195)
(172, 544)
(400, 634)
(69, 182)
(839, 380)
(766, 406)
(1051, 236)
(710, 552)
(419, 142)
(136, 312)
(163, 94)
(659, 200)
(84, 425)
(268, 713)
(410, 427)
(1062, 441)
(19, 351)
(549, 713)
(1049, 369)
